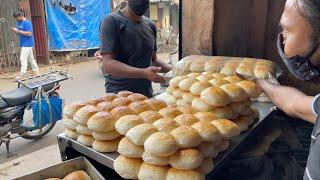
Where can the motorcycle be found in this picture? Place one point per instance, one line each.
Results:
(14, 103)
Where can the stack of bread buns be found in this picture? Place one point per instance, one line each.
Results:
(92, 123)
(171, 143)
(76, 175)
(221, 96)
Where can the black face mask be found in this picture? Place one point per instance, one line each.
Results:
(299, 66)
(139, 7)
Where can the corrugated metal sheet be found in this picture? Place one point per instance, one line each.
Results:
(40, 32)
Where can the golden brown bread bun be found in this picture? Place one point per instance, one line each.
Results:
(105, 136)
(262, 72)
(161, 144)
(178, 93)
(222, 112)
(250, 88)
(170, 90)
(205, 116)
(102, 122)
(229, 68)
(127, 168)
(127, 149)
(85, 140)
(171, 100)
(109, 97)
(69, 123)
(182, 103)
(200, 105)
(139, 107)
(247, 111)
(94, 101)
(198, 87)
(140, 133)
(137, 97)
(53, 179)
(186, 84)
(155, 160)
(121, 101)
(240, 106)
(233, 79)
(170, 112)
(177, 174)
(84, 130)
(71, 133)
(206, 166)
(204, 78)
(236, 93)
(247, 120)
(83, 114)
(174, 82)
(224, 145)
(186, 137)
(207, 73)
(242, 124)
(124, 93)
(106, 146)
(227, 128)
(150, 116)
(186, 120)
(215, 96)
(193, 75)
(186, 159)
(105, 106)
(77, 175)
(70, 109)
(188, 97)
(121, 111)
(165, 124)
(245, 70)
(148, 171)
(188, 110)
(218, 82)
(208, 149)
(125, 123)
(156, 104)
(207, 131)
(197, 66)
(213, 66)
(218, 75)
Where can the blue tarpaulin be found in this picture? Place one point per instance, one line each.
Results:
(74, 24)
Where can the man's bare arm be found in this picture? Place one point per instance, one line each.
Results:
(119, 69)
(290, 100)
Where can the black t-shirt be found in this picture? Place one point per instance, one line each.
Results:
(133, 43)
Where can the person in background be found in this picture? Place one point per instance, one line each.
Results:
(129, 51)
(25, 32)
(298, 46)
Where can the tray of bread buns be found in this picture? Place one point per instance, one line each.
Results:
(143, 138)
(79, 168)
(250, 68)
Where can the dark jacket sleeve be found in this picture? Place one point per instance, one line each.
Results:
(109, 35)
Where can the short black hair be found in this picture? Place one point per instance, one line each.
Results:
(16, 14)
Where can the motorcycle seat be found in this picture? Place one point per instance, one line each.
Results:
(19, 96)
(3, 104)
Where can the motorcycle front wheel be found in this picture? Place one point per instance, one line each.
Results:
(38, 133)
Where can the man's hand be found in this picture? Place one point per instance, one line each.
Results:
(151, 73)
(15, 30)
(98, 55)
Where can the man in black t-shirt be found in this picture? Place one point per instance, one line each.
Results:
(128, 49)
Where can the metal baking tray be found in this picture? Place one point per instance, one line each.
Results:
(107, 159)
(65, 168)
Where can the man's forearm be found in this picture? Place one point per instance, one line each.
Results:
(119, 69)
(290, 100)
(25, 33)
